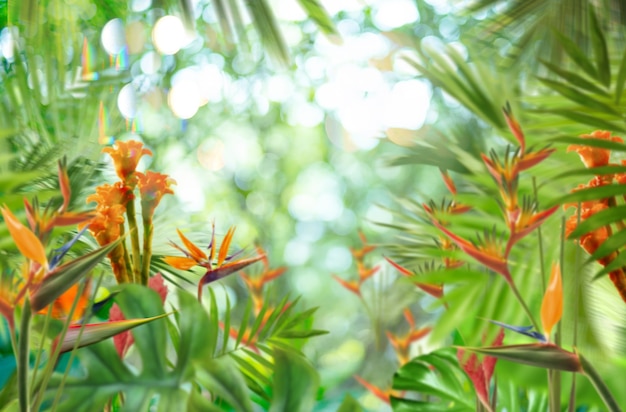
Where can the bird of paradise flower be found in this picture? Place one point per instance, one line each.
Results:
(215, 269)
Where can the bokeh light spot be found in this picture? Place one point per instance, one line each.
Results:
(113, 37)
(168, 35)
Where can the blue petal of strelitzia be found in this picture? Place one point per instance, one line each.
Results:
(522, 330)
(60, 252)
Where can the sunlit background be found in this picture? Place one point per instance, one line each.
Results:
(295, 157)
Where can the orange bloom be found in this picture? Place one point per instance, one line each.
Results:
(552, 304)
(125, 157)
(435, 291)
(63, 304)
(215, 269)
(257, 283)
(110, 195)
(402, 345)
(153, 186)
(28, 244)
(353, 286)
(487, 252)
(381, 394)
(595, 156)
(514, 126)
(105, 226)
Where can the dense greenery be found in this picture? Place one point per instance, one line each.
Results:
(402, 181)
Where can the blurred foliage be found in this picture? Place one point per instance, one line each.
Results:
(267, 151)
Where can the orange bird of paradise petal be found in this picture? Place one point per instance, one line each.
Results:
(552, 304)
(225, 270)
(194, 250)
(214, 271)
(28, 244)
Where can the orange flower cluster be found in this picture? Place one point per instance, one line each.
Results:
(597, 157)
(113, 201)
(402, 347)
(364, 271)
(521, 218)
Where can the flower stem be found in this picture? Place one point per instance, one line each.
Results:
(148, 230)
(23, 351)
(134, 240)
(523, 303)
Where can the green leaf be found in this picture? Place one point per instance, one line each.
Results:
(97, 332)
(576, 54)
(541, 355)
(267, 27)
(214, 323)
(621, 79)
(318, 14)
(350, 404)
(574, 79)
(194, 332)
(106, 374)
(437, 375)
(197, 402)
(610, 245)
(295, 382)
(300, 334)
(600, 49)
(583, 118)
(222, 378)
(591, 193)
(598, 384)
(59, 280)
(576, 96)
(602, 143)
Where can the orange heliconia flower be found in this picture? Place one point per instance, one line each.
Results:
(353, 286)
(256, 284)
(105, 226)
(402, 344)
(487, 253)
(552, 304)
(595, 156)
(126, 156)
(435, 291)
(153, 186)
(111, 195)
(381, 394)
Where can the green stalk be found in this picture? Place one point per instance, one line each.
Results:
(23, 351)
(52, 360)
(523, 303)
(127, 262)
(40, 349)
(540, 237)
(73, 353)
(148, 231)
(134, 240)
(572, 394)
(598, 384)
